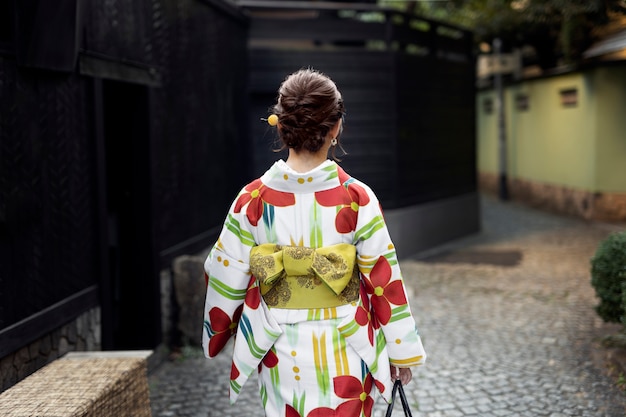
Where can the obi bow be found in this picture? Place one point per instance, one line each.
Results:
(299, 277)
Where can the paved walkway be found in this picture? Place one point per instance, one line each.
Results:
(507, 320)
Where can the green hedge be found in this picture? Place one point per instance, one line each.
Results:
(608, 277)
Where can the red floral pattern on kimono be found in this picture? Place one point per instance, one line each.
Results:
(383, 292)
(253, 294)
(317, 412)
(270, 360)
(357, 394)
(365, 317)
(349, 196)
(256, 193)
(223, 328)
(234, 372)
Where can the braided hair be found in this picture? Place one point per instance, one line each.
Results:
(308, 106)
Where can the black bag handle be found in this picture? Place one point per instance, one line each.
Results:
(397, 387)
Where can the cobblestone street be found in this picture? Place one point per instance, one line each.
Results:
(507, 320)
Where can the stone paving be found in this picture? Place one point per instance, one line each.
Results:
(510, 338)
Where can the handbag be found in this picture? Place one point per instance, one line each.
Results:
(397, 387)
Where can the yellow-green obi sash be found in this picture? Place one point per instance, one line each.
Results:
(302, 278)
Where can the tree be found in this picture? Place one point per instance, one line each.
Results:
(558, 30)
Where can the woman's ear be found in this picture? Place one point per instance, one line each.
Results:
(336, 130)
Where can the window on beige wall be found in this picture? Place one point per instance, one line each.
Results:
(569, 97)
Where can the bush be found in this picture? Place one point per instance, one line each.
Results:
(608, 277)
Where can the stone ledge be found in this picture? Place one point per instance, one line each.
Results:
(83, 384)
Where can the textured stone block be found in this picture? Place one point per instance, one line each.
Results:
(190, 290)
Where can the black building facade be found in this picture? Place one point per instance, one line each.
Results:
(126, 129)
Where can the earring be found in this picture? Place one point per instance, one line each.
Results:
(333, 142)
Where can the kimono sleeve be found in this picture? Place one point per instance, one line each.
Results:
(382, 279)
(228, 275)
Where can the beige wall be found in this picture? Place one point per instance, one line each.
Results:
(610, 97)
(579, 148)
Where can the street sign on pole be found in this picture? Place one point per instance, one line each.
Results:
(489, 65)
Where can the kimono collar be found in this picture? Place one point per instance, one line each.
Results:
(281, 177)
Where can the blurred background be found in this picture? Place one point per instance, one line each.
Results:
(127, 128)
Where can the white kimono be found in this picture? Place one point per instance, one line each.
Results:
(311, 361)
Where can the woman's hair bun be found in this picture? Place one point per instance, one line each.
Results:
(308, 107)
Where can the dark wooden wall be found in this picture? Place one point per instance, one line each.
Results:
(49, 242)
(126, 129)
(408, 86)
(199, 122)
(436, 142)
(120, 125)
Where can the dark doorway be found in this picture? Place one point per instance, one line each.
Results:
(131, 291)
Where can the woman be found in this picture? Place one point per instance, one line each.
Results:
(306, 275)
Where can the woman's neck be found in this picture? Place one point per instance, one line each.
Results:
(304, 161)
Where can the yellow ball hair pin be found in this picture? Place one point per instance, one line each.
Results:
(272, 120)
